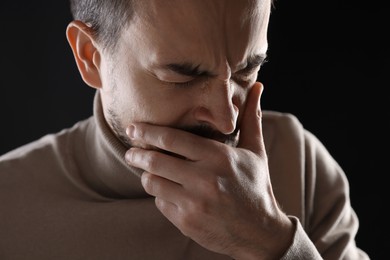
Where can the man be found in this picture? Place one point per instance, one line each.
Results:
(178, 160)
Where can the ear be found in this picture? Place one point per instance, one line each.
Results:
(85, 52)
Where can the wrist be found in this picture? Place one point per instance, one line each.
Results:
(272, 247)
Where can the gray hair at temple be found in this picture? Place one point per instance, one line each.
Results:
(106, 18)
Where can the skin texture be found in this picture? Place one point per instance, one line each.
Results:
(196, 133)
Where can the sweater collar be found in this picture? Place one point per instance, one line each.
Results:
(110, 175)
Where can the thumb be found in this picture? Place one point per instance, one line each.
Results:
(251, 135)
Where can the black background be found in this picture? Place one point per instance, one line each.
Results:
(328, 65)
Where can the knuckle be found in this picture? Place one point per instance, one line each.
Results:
(210, 186)
(166, 140)
(151, 161)
(215, 191)
(140, 133)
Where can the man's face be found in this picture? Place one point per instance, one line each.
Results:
(186, 64)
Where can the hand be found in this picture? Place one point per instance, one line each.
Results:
(219, 196)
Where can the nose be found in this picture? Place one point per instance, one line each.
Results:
(217, 107)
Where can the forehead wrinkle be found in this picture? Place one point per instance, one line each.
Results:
(222, 60)
(182, 54)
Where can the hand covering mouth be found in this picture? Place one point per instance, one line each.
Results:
(210, 133)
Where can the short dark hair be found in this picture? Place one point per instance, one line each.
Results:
(105, 17)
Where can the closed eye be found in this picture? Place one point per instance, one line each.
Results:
(183, 84)
(247, 71)
(187, 84)
(252, 66)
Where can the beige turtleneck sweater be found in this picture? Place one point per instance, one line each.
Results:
(71, 195)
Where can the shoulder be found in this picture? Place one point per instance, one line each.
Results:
(276, 117)
(281, 128)
(41, 167)
(39, 153)
(283, 122)
(284, 128)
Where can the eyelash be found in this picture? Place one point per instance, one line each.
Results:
(246, 73)
(183, 84)
(250, 70)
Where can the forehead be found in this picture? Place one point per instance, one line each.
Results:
(217, 29)
(200, 8)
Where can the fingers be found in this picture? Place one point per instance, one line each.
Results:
(157, 163)
(162, 188)
(251, 136)
(179, 142)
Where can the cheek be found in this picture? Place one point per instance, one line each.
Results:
(240, 97)
(240, 94)
(143, 98)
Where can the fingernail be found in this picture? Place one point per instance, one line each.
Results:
(130, 131)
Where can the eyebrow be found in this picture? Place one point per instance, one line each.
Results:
(192, 70)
